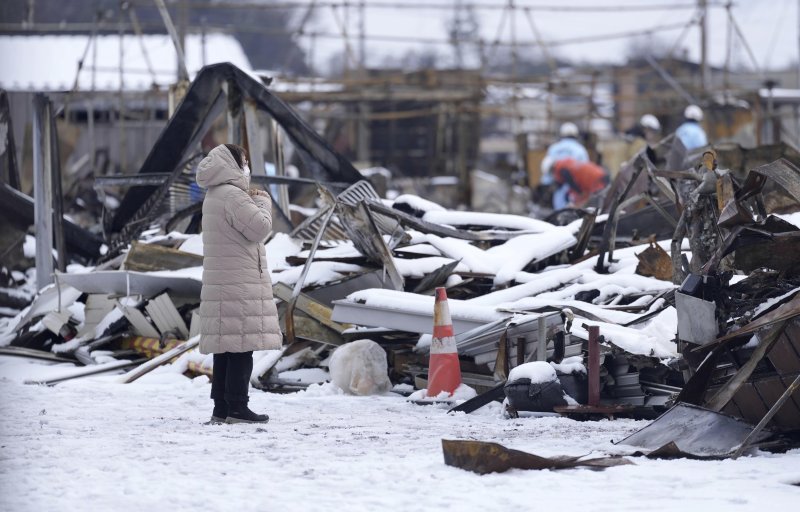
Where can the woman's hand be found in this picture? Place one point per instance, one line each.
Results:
(257, 192)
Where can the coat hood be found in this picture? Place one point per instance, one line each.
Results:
(219, 168)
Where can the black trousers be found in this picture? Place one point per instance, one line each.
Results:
(231, 380)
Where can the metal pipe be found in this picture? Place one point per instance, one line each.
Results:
(298, 287)
(594, 365)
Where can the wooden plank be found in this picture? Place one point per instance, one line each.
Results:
(796, 398)
(787, 416)
(160, 360)
(316, 310)
(790, 390)
(792, 332)
(732, 409)
(152, 257)
(783, 357)
(749, 401)
(767, 340)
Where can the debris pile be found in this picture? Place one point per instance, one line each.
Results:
(680, 289)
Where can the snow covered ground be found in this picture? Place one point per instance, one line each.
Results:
(93, 444)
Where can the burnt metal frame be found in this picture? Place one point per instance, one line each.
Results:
(203, 102)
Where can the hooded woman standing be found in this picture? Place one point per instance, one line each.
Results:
(237, 313)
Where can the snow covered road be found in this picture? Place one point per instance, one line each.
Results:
(93, 444)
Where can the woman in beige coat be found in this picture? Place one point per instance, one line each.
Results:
(237, 313)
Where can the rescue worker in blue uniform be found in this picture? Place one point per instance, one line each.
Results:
(690, 133)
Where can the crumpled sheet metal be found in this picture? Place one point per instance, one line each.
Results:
(691, 431)
(781, 171)
(125, 283)
(483, 458)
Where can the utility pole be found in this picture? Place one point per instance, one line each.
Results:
(702, 5)
(728, 47)
(43, 189)
(362, 35)
(183, 23)
(183, 73)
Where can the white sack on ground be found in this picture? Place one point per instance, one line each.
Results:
(360, 368)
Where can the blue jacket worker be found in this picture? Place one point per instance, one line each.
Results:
(690, 132)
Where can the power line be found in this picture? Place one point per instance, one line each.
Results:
(80, 28)
(487, 6)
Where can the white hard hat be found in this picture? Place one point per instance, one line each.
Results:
(694, 113)
(568, 130)
(650, 121)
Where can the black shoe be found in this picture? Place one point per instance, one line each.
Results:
(220, 412)
(240, 413)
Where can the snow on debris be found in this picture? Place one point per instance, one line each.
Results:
(538, 372)
(345, 249)
(422, 304)
(471, 256)
(536, 284)
(110, 317)
(461, 394)
(173, 236)
(504, 261)
(609, 286)
(320, 272)
(193, 245)
(419, 249)
(569, 365)
(278, 249)
(488, 220)
(632, 340)
(767, 304)
(305, 376)
(29, 247)
(195, 273)
(420, 267)
(514, 255)
(791, 218)
(417, 203)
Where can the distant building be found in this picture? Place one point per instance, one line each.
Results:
(422, 123)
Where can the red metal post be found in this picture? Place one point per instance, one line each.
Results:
(594, 366)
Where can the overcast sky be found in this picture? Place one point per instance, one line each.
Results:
(770, 27)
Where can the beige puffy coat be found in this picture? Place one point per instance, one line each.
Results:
(237, 313)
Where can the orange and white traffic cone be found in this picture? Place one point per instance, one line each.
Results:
(444, 370)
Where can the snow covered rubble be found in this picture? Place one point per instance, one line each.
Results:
(513, 272)
(521, 267)
(96, 444)
(504, 263)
